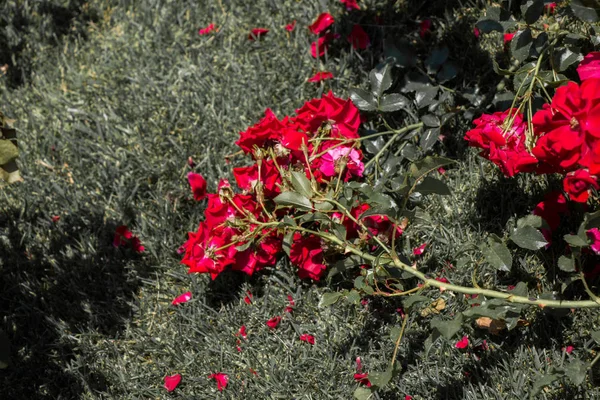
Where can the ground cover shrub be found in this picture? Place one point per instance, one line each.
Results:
(108, 140)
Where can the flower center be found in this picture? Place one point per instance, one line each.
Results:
(574, 124)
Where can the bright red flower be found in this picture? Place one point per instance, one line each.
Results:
(594, 235)
(320, 76)
(342, 115)
(247, 178)
(261, 134)
(242, 332)
(550, 7)
(569, 349)
(577, 184)
(417, 251)
(425, 28)
(222, 380)
(323, 21)
(290, 27)
(198, 185)
(569, 129)
(462, 343)
(359, 38)
(292, 139)
(321, 45)
(248, 298)
(124, 237)
(551, 208)
(363, 379)
(171, 382)
(476, 32)
(589, 67)
(349, 158)
(305, 337)
(307, 254)
(207, 30)
(508, 37)
(502, 144)
(206, 250)
(257, 33)
(273, 322)
(350, 4)
(184, 298)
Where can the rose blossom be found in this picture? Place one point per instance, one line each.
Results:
(577, 184)
(331, 162)
(594, 235)
(589, 67)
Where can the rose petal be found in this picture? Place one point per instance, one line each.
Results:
(171, 382)
(183, 298)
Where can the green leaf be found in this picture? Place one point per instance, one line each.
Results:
(363, 393)
(575, 241)
(8, 151)
(395, 333)
(530, 220)
(576, 370)
(363, 100)
(329, 298)
(436, 59)
(520, 45)
(564, 57)
(542, 382)
(411, 300)
(520, 290)
(353, 297)
(301, 183)
(527, 237)
(448, 72)
(532, 10)
(566, 264)
(429, 138)
(381, 79)
(244, 246)
(422, 167)
(426, 96)
(431, 185)
(293, 199)
(497, 254)
(380, 379)
(596, 336)
(431, 120)
(288, 239)
(585, 12)
(393, 102)
(402, 53)
(448, 328)
(500, 71)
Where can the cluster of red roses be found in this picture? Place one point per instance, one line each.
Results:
(243, 230)
(565, 137)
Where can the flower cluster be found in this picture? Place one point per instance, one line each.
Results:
(245, 230)
(564, 135)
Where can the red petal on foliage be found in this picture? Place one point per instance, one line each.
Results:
(417, 251)
(290, 27)
(55, 218)
(273, 322)
(248, 298)
(323, 21)
(320, 76)
(257, 33)
(462, 343)
(198, 185)
(350, 4)
(362, 379)
(221, 378)
(242, 332)
(318, 48)
(184, 298)
(288, 309)
(476, 32)
(207, 30)
(172, 381)
(122, 235)
(136, 245)
(508, 37)
(408, 397)
(568, 349)
(291, 300)
(425, 28)
(305, 337)
(359, 38)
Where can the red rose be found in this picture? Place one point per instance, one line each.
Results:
(258, 135)
(342, 114)
(323, 21)
(590, 66)
(307, 254)
(198, 185)
(273, 322)
(359, 38)
(577, 184)
(205, 252)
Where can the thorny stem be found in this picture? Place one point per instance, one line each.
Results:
(404, 320)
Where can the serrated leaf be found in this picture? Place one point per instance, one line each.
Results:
(584, 12)
(429, 138)
(566, 264)
(575, 241)
(409, 301)
(363, 393)
(293, 199)
(520, 45)
(380, 379)
(436, 59)
(565, 57)
(301, 183)
(527, 237)
(328, 299)
(426, 95)
(353, 297)
(497, 254)
(393, 102)
(381, 79)
(520, 290)
(288, 239)
(431, 185)
(576, 371)
(448, 328)
(448, 72)
(530, 220)
(422, 167)
(431, 120)
(532, 10)
(363, 100)
(542, 382)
